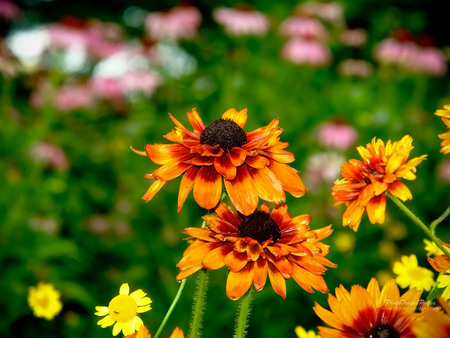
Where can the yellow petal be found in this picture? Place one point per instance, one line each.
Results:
(124, 289)
(105, 322)
(101, 310)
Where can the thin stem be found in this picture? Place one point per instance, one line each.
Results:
(199, 304)
(243, 314)
(418, 222)
(172, 306)
(439, 220)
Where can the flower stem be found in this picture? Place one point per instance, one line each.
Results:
(243, 314)
(172, 306)
(199, 304)
(439, 220)
(421, 225)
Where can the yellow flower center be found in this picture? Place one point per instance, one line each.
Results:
(416, 274)
(43, 301)
(122, 308)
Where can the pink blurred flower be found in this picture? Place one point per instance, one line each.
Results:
(9, 11)
(107, 87)
(431, 61)
(324, 167)
(143, 82)
(72, 97)
(336, 134)
(330, 11)
(243, 20)
(444, 171)
(180, 22)
(354, 67)
(304, 27)
(309, 52)
(49, 154)
(356, 37)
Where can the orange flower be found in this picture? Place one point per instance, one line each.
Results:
(433, 322)
(440, 263)
(256, 245)
(369, 312)
(445, 137)
(144, 333)
(365, 182)
(251, 164)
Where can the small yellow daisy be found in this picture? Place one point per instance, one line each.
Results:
(122, 311)
(44, 301)
(432, 249)
(443, 281)
(410, 274)
(302, 333)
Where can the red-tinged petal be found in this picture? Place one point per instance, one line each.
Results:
(240, 118)
(187, 182)
(237, 156)
(257, 162)
(352, 216)
(183, 128)
(312, 280)
(224, 167)
(201, 233)
(201, 161)
(278, 154)
(327, 316)
(240, 245)
(154, 188)
(283, 266)
(224, 211)
(400, 190)
(170, 170)
(242, 191)
(268, 186)
(239, 282)
(254, 250)
(277, 280)
(260, 274)
(235, 261)
(279, 214)
(219, 225)
(196, 121)
(310, 264)
(195, 257)
(376, 209)
(353, 170)
(165, 153)
(440, 263)
(207, 187)
(289, 178)
(215, 258)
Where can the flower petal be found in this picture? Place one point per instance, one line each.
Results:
(187, 182)
(376, 209)
(101, 310)
(124, 289)
(289, 178)
(105, 322)
(235, 260)
(277, 281)
(225, 167)
(242, 191)
(267, 184)
(239, 282)
(117, 328)
(166, 153)
(240, 118)
(260, 273)
(196, 121)
(215, 258)
(400, 190)
(154, 188)
(207, 187)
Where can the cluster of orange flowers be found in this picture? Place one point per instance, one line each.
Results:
(254, 243)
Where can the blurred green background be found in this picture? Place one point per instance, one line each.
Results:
(71, 210)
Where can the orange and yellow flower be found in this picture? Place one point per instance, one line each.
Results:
(445, 137)
(260, 244)
(251, 165)
(365, 183)
(433, 322)
(369, 312)
(440, 263)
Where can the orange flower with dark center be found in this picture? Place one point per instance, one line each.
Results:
(254, 246)
(433, 322)
(370, 313)
(365, 183)
(250, 165)
(445, 137)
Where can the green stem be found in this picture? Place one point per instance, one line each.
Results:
(172, 306)
(419, 223)
(243, 314)
(439, 220)
(199, 304)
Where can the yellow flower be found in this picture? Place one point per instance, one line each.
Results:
(443, 281)
(122, 311)
(410, 274)
(302, 333)
(344, 242)
(431, 248)
(445, 137)
(44, 301)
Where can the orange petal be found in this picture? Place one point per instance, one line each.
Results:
(237, 156)
(139, 152)
(376, 209)
(277, 281)
(215, 258)
(235, 260)
(224, 212)
(187, 272)
(165, 153)
(283, 266)
(289, 178)
(170, 170)
(352, 216)
(327, 316)
(440, 263)
(207, 187)
(268, 186)
(400, 190)
(201, 233)
(196, 121)
(154, 188)
(260, 274)
(239, 117)
(224, 167)
(187, 182)
(257, 162)
(239, 282)
(177, 333)
(242, 191)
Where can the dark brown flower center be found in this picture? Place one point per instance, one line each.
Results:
(223, 132)
(382, 331)
(259, 226)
